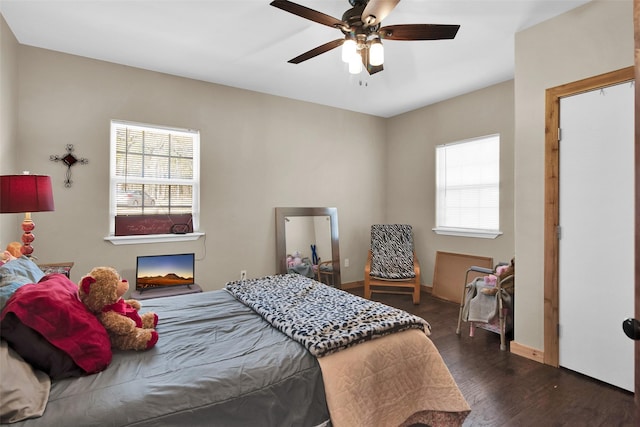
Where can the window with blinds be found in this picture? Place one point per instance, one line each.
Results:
(468, 185)
(154, 179)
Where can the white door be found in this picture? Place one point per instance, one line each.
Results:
(596, 252)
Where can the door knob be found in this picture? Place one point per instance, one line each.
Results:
(631, 328)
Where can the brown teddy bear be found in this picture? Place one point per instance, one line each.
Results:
(101, 291)
(503, 272)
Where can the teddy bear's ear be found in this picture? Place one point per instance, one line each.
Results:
(86, 283)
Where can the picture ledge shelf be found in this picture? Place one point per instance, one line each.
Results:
(153, 238)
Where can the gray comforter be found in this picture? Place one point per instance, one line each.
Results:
(217, 363)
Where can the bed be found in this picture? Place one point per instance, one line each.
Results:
(225, 360)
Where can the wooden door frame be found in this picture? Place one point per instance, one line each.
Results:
(636, 26)
(552, 208)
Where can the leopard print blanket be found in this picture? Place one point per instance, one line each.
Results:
(321, 318)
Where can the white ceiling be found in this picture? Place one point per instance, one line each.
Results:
(247, 43)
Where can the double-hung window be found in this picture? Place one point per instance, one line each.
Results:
(468, 187)
(154, 185)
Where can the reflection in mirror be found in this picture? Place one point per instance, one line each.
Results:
(307, 243)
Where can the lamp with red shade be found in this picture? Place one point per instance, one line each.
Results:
(26, 193)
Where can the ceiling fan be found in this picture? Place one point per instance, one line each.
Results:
(363, 34)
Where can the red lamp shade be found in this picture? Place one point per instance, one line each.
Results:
(25, 193)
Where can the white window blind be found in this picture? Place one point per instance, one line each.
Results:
(468, 185)
(154, 172)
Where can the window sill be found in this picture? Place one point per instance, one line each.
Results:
(153, 238)
(467, 232)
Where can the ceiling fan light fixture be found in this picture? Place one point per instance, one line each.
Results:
(362, 29)
(376, 52)
(355, 64)
(349, 49)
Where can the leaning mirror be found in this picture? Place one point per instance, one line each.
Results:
(307, 243)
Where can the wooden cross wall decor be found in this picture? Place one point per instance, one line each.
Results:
(69, 160)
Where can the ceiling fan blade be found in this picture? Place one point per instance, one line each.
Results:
(305, 12)
(418, 32)
(317, 51)
(371, 69)
(376, 11)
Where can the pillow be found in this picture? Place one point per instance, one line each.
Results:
(16, 273)
(37, 351)
(52, 309)
(23, 391)
(9, 283)
(24, 267)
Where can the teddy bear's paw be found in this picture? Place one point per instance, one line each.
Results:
(134, 303)
(154, 339)
(489, 291)
(149, 320)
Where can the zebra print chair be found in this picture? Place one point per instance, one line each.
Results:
(392, 266)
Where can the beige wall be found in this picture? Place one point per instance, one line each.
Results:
(258, 152)
(587, 41)
(412, 138)
(8, 113)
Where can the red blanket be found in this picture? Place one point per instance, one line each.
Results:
(52, 308)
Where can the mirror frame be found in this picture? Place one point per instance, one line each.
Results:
(281, 245)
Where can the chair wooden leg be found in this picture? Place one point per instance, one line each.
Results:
(416, 295)
(367, 288)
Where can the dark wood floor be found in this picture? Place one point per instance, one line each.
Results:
(504, 389)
